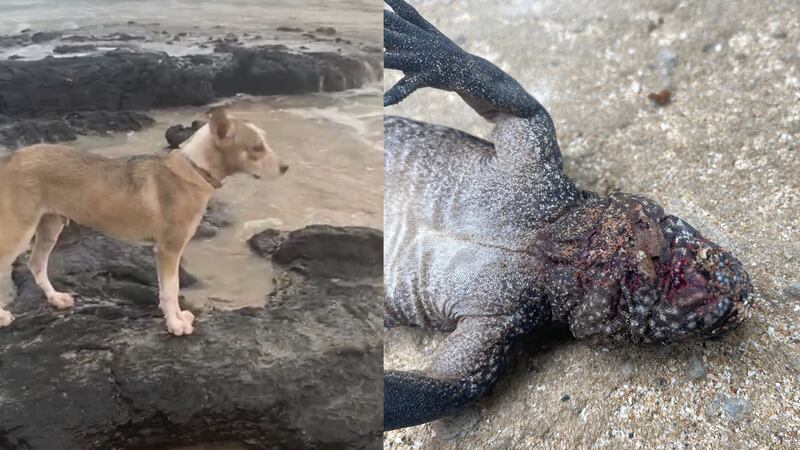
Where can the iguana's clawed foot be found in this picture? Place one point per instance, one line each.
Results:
(426, 56)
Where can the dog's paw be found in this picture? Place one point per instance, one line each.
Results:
(181, 323)
(5, 318)
(60, 300)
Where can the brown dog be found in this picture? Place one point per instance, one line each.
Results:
(160, 199)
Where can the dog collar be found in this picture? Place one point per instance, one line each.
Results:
(205, 174)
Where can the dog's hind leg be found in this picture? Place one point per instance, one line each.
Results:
(47, 232)
(16, 231)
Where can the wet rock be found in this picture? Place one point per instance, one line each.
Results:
(103, 122)
(19, 132)
(269, 71)
(736, 408)
(694, 368)
(65, 49)
(77, 38)
(324, 251)
(114, 81)
(123, 37)
(93, 265)
(110, 375)
(230, 38)
(327, 31)
(178, 134)
(124, 80)
(16, 40)
(290, 29)
(44, 36)
(216, 216)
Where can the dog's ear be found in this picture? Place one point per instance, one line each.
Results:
(220, 122)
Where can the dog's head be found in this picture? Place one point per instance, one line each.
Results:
(242, 146)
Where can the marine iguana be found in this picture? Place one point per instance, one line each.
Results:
(491, 240)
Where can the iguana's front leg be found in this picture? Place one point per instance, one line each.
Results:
(527, 160)
(429, 59)
(466, 364)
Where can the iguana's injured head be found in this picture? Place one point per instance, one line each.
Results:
(645, 276)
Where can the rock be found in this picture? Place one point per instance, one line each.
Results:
(122, 37)
(124, 80)
(102, 122)
(736, 408)
(64, 49)
(19, 132)
(694, 368)
(627, 369)
(78, 38)
(793, 289)
(327, 31)
(114, 81)
(44, 36)
(95, 266)
(290, 29)
(230, 38)
(14, 57)
(304, 372)
(178, 134)
(216, 216)
(324, 251)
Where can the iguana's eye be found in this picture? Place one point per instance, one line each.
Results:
(259, 148)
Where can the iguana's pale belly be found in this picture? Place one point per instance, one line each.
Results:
(458, 226)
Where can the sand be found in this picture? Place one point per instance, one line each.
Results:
(724, 155)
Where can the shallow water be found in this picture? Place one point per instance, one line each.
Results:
(358, 19)
(333, 145)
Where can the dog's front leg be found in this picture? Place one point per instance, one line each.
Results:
(168, 260)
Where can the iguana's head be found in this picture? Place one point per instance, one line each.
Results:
(648, 277)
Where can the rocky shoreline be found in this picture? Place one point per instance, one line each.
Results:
(274, 377)
(49, 99)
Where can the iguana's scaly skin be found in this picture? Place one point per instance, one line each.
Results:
(490, 240)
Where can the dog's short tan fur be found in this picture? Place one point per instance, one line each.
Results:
(160, 199)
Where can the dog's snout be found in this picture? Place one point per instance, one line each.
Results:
(283, 168)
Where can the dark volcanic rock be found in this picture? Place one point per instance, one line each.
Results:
(95, 266)
(290, 29)
(324, 251)
(102, 122)
(19, 132)
(304, 372)
(44, 36)
(65, 48)
(111, 82)
(178, 134)
(215, 217)
(122, 37)
(122, 80)
(328, 31)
